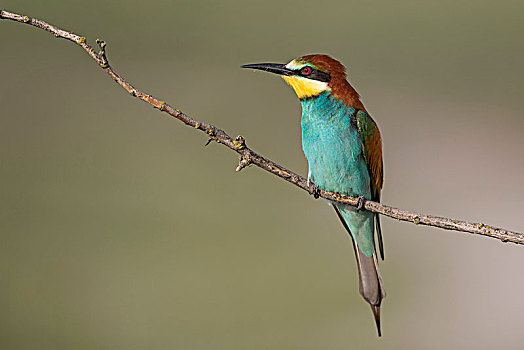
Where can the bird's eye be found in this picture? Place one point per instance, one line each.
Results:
(306, 70)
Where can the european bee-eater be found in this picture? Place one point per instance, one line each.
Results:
(344, 151)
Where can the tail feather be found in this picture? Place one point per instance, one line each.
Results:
(370, 282)
(376, 313)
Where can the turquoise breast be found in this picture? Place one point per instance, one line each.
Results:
(333, 147)
(334, 150)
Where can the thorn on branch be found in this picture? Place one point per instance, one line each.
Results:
(243, 162)
(102, 53)
(239, 142)
(212, 133)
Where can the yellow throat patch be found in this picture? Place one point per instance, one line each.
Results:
(304, 87)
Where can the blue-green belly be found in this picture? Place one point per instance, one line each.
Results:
(333, 148)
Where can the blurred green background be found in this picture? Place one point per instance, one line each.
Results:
(119, 230)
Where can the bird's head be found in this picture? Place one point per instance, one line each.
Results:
(312, 75)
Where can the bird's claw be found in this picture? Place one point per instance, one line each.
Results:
(314, 190)
(361, 202)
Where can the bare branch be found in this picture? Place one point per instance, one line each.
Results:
(247, 156)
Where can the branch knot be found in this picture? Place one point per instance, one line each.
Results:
(239, 142)
(102, 53)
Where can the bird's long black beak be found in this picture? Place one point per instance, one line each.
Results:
(276, 68)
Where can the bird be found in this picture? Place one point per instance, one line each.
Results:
(343, 147)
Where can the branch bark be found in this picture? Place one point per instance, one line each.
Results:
(247, 156)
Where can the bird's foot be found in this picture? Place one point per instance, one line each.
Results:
(361, 202)
(314, 190)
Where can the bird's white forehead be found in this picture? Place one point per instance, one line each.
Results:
(295, 65)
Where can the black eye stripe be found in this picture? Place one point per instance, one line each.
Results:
(314, 74)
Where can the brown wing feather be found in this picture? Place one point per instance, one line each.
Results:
(372, 144)
(372, 147)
